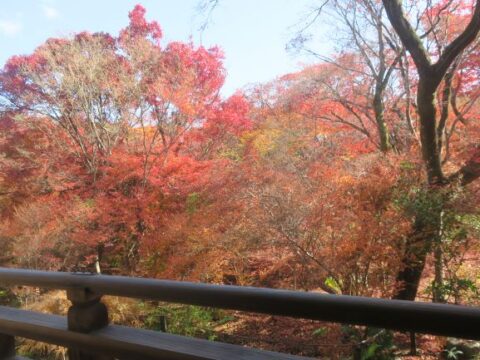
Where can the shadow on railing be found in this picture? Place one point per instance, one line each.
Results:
(87, 335)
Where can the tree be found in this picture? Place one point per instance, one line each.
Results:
(368, 53)
(131, 121)
(81, 95)
(430, 76)
(427, 226)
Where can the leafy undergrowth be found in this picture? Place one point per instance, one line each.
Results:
(322, 340)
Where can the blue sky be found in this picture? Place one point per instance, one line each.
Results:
(253, 33)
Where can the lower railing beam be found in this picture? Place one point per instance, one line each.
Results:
(123, 342)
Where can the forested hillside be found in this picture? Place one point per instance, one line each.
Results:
(356, 175)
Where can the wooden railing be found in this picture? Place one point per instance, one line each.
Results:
(87, 334)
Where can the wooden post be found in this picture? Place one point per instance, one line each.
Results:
(413, 344)
(163, 323)
(7, 347)
(357, 352)
(86, 314)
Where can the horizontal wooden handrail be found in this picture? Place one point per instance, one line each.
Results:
(438, 319)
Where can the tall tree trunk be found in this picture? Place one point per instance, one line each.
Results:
(427, 113)
(414, 258)
(378, 108)
(438, 293)
(425, 235)
(424, 232)
(445, 107)
(430, 76)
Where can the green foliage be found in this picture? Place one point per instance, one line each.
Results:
(453, 353)
(455, 287)
(90, 203)
(193, 202)
(187, 320)
(472, 221)
(432, 207)
(375, 344)
(333, 284)
(320, 331)
(370, 352)
(407, 165)
(225, 319)
(382, 348)
(423, 204)
(8, 298)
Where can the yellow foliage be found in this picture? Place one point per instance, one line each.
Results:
(346, 179)
(264, 140)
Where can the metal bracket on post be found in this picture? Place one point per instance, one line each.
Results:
(86, 314)
(7, 347)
